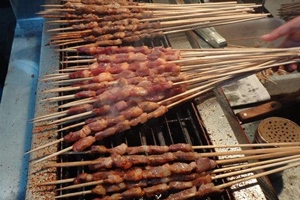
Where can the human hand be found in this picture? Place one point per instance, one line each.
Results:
(291, 32)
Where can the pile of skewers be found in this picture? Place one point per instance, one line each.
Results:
(289, 11)
(146, 171)
(102, 23)
(127, 86)
(111, 89)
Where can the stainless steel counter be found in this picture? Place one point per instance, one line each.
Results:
(17, 108)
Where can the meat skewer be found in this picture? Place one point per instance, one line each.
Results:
(59, 152)
(207, 178)
(211, 188)
(93, 179)
(201, 78)
(84, 179)
(114, 59)
(112, 22)
(162, 71)
(144, 91)
(89, 140)
(156, 113)
(66, 150)
(108, 161)
(206, 190)
(148, 191)
(114, 130)
(195, 67)
(93, 89)
(167, 170)
(285, 155)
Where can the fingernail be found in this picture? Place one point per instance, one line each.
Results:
(263, 37)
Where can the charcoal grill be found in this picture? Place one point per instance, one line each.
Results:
(183, 123)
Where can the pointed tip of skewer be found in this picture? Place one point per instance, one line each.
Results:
(73, 194)
(44, 146)
(63, 76)
(92, 183)
(53, 155)
(69, 180)
(70, 49)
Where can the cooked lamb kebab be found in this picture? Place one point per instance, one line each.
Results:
(119, 23)
(149, 190)
(109, 118)
(115, 49)
(104, 2)
(150, 149)
(118, 176)
(203, 190)
(101, 28)
(154, 175)
(143, 188)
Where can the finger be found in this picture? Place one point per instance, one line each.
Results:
(283, 30)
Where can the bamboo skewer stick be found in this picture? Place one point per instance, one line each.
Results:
(56, 141)
(50, 116)
(59, 98)
(66, 81)
(72, 69)
(74, 194)
(59, 76)
(73, 117)
(225, 185)
(53, 155)
(260, 156)
(259, 163)
(81, 185)
(248, 145)
(57, 182)
(256, 168)
(78, 102)
(46, 145)
(249, 152)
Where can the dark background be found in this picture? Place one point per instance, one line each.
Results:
(7, 27)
